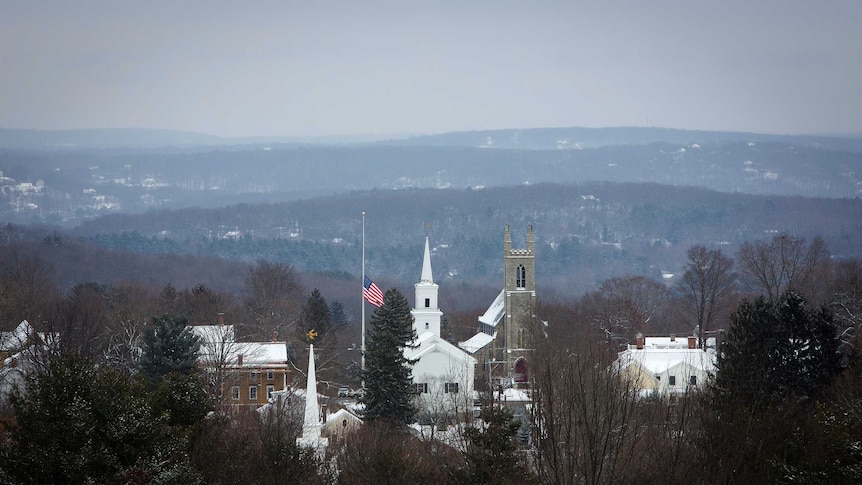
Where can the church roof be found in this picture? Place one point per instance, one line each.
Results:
(428, 342)
(476, 342)
(495, 312)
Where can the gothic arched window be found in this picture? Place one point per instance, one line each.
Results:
(521, 277)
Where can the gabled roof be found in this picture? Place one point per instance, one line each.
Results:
(495, 312)
(338, 417)
(429, 342)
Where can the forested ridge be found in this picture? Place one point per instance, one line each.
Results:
(585, 232)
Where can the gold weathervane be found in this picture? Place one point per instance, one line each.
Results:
(311, 334)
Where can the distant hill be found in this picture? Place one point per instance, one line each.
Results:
(576, 138)
(141, 138)
(65, 185)
(585, 233)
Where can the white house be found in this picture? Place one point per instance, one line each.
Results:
(667, 366)
(443, 373)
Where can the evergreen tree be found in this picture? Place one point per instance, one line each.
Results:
(337, 314)
(76, 423)
(315, 316)
(775, 366)
(492, 450)
(388, 374)
(170, 346)
(775, 351)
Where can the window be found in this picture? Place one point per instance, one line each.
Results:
(450, 387)
(234, 393)
(692, 380)
(270, 375)
(420, 388)
(671, 380)
(252, 393)
(253, 375)
(269, 390)
(521, 277)
(428, 303)
(426, 325)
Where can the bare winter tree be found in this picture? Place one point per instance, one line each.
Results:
(784, 263)
(706, 286)
(273, 296)
(27, 291)
(847, 301)
(590, 429)
(84, 321)
(624, 306)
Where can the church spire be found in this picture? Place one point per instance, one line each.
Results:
(311, 421)
(426, 277)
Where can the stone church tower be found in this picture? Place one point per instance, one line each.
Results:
(520, 304)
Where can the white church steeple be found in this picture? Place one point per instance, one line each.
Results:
(426, 315)
(311, 421)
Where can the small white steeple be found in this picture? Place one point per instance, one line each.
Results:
(426, 315)
(311, 421)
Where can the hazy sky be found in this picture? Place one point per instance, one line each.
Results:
(375, 67)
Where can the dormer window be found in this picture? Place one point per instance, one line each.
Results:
(521, 277)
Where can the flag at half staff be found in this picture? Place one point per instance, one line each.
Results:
(372, 293)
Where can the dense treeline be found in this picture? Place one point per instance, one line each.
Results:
(783, 406)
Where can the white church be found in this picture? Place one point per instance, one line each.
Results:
(443, 374)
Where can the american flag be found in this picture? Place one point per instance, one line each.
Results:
(372, 293)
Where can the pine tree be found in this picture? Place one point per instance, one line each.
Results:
(337, 314)
(775, 367)
(775, 351)
(388, 374)
(170, 346)
(315, 316)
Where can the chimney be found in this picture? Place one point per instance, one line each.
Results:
(275, 335)
(239, 360)
(221, 318)
(639, 341)
(692, 342)
(324, 411)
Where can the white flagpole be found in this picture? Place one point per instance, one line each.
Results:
(362, 295)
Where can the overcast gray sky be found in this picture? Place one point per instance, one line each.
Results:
(300, 68)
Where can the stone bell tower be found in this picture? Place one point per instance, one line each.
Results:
(520, 304)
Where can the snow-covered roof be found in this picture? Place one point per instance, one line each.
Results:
(476, 342)
(253, 353)
(16, 338)
(495, 312)
(214, 333)
(659, 360)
